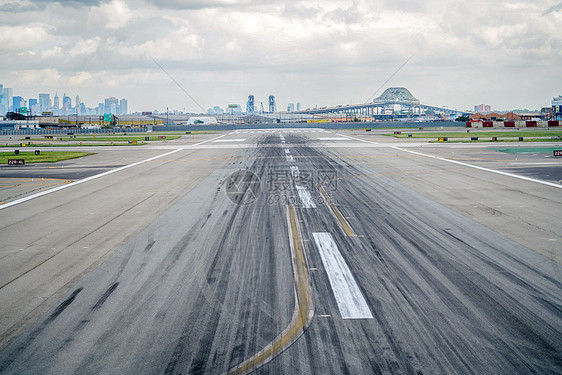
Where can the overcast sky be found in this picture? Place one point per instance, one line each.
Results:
(504, 53)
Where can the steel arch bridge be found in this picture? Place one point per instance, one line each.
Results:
(386, 103)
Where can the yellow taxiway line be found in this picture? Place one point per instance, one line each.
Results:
(337, 213)
(304, 308)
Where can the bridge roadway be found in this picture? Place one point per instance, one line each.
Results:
(369, 108)
(155, 269)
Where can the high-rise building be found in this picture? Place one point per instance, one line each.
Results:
(8, 97)
(272, 106)
(123, 106)
(110, 105)
(298, 106)
(250, 104)
(18, 102)
(2, 103)
(291, 107)
(66, 104)
(44, 102)
(33, 107)
(56, 102)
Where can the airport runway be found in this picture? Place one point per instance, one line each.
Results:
(333, 256)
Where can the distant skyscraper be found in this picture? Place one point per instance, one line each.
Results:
(298, 106)
(8, 95)
(110, 105)
(56, 102)
(18, 102)
(250, 104)
(66, 104)
(33, 107)
(123, 106)
(291, 107)
(2, 104)
(272, 106)
(44, 102)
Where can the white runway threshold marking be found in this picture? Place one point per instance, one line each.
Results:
(305, 197)
(350, 300)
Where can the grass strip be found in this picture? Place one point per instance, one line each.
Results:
(44, 157)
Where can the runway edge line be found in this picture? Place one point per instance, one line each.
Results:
(42, 193)
(481, 168)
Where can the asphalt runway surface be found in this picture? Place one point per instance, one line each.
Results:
(285, 252)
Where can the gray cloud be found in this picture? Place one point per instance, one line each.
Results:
(317, 52)
(553, 9)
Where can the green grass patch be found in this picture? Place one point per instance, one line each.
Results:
(501, 140)
(182, 132)
(483, 134)
(44, 157)
(528, 150)
(112, 138)
(59, 144)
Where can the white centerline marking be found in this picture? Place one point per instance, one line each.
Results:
(295, 171)
(334, 139)
(305, 197)
(482, 168)
(350, 300)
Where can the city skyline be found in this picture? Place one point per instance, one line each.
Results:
(59, 105)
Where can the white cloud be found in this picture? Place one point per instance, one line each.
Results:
(113, 15)
(318, 52)
(85, 47)
(79, 78)
(14, 38)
